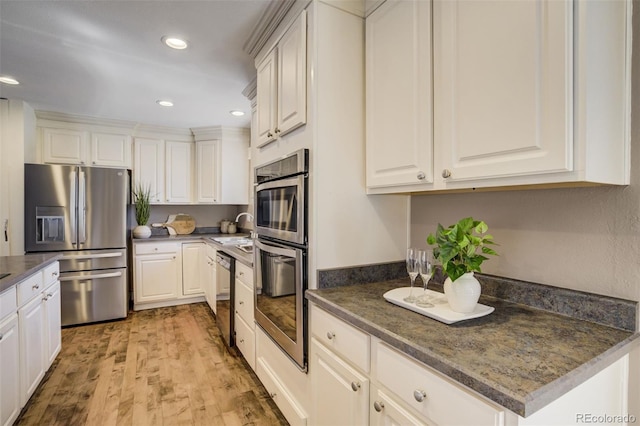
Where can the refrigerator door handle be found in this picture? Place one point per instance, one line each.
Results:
(91, 277)
(82, 208)
(73, 206)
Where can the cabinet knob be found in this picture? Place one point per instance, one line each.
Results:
(272, 394)
(421, 176)
(241, 340)
(241, 273)
(330, 335)
(49, 294)
(419, 395)
(378, 406)
(44, 299)
(277, 130)
(35, 287)
(174, 257)
(269, 135)
(93, 162)
(446, 173)
(82, 162)
(54, 274)
(241, 302)
(355, 386)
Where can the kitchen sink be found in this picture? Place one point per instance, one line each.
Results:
(237, 240)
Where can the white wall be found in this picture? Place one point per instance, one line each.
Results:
(204, 215)
(583, 238)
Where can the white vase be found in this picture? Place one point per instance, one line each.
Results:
(141, 231)
(463, 293)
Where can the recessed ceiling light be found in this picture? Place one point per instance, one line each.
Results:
(174, 42)
(236, 113)
(8, 80)
(164, 103)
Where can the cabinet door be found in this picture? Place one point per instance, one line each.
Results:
(208, 281)
(192, 256)
(63, 146)
(53, 325)
(31, 319)
(9, 371)
(266, 94)
(207, 171)
(503, 88)
(399, 94)
(157, 277)
(292, 77)
(385, 411)
(178, 172)
(149, 166)
(340, 393)
(110, 150)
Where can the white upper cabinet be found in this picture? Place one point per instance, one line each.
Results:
(207, 182)
(64, 146)
(521, 94)
(399, 111)
(85, 147)
(149, 166)
(282, 85)
(178, 172)
(503, 88)
(109, 149)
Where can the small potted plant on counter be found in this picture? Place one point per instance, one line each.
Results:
(141, 197)
(461, 249)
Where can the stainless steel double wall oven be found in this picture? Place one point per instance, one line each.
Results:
(280, 264)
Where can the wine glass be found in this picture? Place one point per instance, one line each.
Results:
(425, 268)
(412, 269)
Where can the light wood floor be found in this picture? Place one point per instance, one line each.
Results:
(165, 366)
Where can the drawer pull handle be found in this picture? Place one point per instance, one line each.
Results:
(378, 406)
(241, 273)
(419, 395)
(446, 173)
(272, 395)
(421, 176)
(54, 274)
(241, 302)
(355, 386)
(330, 335)
(35, 287)
(241, 340)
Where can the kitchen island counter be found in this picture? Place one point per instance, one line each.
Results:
(519, 357)
(20, 267)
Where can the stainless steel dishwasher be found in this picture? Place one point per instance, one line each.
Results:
(225, 300)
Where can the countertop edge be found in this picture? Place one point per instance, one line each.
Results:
(521, 405)
(15, 278)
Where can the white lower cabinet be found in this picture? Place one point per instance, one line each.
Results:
(340, 393)
(385, 410)
(192, 255)
(9, 369)
(244, 319)
(208, 272)
(39, 325)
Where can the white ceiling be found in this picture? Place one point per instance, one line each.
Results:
(104, 58)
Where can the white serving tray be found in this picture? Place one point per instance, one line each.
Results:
(440, 311)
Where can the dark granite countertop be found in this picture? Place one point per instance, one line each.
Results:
(520, 357)
(20, 267)
(239, 255)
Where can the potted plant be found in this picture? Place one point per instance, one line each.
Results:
(141, 197)
(461, 249)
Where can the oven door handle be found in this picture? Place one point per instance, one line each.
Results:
(275, 249)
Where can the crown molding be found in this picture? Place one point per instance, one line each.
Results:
(266, 25)
(82, 119)
(251, 90)
(220, 132)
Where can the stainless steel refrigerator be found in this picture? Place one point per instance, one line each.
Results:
(82, 213)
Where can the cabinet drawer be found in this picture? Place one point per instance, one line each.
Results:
(29, 288)
(211, 251)
(246, 341)
(8, 302)
(244, 274)
(342, 338)
(442, 399)
(244, 303)
(155, 248)
(51, 273)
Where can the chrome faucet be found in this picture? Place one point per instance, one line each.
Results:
(249, 216)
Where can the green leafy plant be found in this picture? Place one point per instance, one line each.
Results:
(458, 245)
(141, 199)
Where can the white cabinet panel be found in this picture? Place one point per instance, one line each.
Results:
(340, 392)
(157, 277)
(9, 370)
(386, 411)
(64, 146)
(178, 172)
(246, 341)
(53, 322)
(504, 87)
(109, 149)
(148, 168)
(192, 265)
(266, 98)
(32, 347)
(207, 181)
(399, 93)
